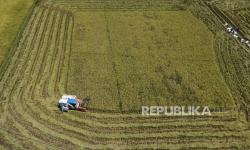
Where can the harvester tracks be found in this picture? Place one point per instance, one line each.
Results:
(121, 5)
(237, 58)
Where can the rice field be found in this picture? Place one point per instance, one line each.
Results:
(122, 58)
(12, 14)
(125, 60)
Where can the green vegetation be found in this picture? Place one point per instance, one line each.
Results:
(119, 5)
(231, 5)
(232, 56)
(122, 59)
(12, 14)
(241, 16)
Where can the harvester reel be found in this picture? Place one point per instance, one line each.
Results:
(85, 102)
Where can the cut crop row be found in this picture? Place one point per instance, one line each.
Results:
(121, 5)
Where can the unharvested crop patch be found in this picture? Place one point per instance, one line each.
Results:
(12, 14)
(124, 60)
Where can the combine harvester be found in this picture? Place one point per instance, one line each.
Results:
(71, 102)
(234, 32)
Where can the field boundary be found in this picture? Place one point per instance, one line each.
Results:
(17, 38)
(233, 79)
